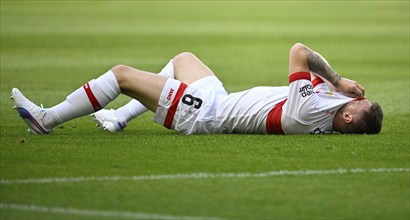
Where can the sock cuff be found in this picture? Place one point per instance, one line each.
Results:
(109, 85)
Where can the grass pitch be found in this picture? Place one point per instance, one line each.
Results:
(49, 49)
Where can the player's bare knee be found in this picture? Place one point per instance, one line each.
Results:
(121, 73)
(183, 57)
(120, 68)
(183, 60)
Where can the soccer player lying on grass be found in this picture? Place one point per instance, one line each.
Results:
(187, 97)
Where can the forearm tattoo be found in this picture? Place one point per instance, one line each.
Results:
(319, 66)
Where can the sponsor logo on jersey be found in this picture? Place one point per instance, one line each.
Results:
(317, 131)
(171, 91)
(306, 90)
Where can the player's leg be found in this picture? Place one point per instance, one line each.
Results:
(144, 86)
(185, 67)
(188, 68)
(114, 120)
(147, 87)
(187, 104)
(89, 98)
(93, 96)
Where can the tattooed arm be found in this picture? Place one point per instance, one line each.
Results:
(303, 58)
(313, 75)
(321, 67)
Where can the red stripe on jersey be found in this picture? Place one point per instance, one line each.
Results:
(317, 81)
(273, 122)
(94, 102)
(298, 76)
(173, 108)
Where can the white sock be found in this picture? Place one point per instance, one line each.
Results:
(134, 108)
(90, 98)
(130, 110)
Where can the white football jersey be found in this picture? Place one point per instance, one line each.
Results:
(310, 109)
(246, 111)
(300, 108)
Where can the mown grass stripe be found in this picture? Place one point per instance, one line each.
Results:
(94, 213)
(204, 175)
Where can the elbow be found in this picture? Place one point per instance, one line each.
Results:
(298, 48)
(298, 59)
(298, 53)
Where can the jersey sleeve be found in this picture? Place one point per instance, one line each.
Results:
(319, 85)
(302, 98)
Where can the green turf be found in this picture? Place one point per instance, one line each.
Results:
(49, 49)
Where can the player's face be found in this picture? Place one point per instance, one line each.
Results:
(359, 105)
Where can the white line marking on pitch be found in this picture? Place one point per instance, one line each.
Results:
(204, 175)
(95, 213)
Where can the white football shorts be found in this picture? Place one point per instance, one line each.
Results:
(190, 109)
